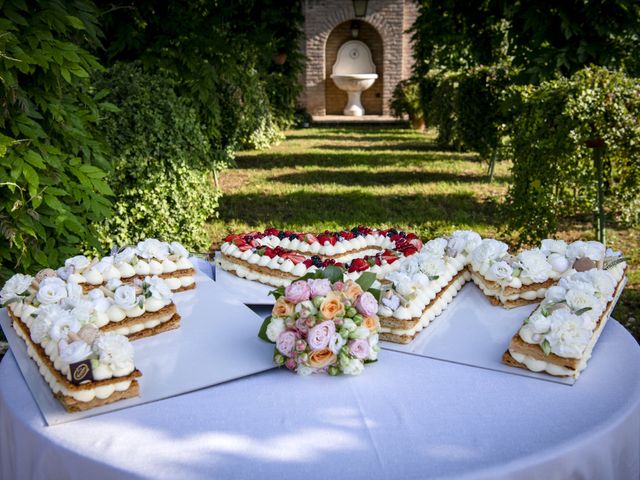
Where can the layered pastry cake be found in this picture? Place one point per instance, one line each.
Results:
(412, 296)
(83, 366)
(150, 257)
(559, 336)
(512, 281)
(277, 258)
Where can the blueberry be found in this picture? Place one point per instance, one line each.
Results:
(293, 236)
(281, 235)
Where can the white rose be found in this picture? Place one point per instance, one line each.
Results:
(349, 325)
(158, 288)
(435, 247)
(62, 325)
(125, 297)
(499, 271)
(51, 290)
(336, 342)
(592, 250)
(373, 340)
(303, 370)
(73, 352)
(353, 367)
(360, 333)
(306, 309)
(433, 266)
(178, 249)
(125, 256)
(152, 248)
(114, 350)
(555, 294)
(16, 286)
(78, 263)
(275, 328)
(80, 308)
(534, 265)
(550, 246)
(113, 283)
(568, 335)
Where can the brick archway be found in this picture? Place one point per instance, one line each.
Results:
(335, 99)
(388, 18)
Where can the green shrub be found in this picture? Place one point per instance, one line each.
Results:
(406, 101)
(553, 169)
(162, 161)
(52, 165)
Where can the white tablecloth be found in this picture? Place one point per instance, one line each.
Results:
(405, 417)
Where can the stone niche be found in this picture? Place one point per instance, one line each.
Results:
(328, 24)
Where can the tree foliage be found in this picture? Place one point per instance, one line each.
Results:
(52, 162)
(161, 161)
(538, 37)
(553, 171)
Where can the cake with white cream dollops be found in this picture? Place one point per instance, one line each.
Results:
(424, 285)
(136, 310)
(84, 367)
(559, 336)
(277, 258)
(150, 257)
(513, 281)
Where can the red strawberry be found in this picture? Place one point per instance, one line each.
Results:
(254, 243)
(272, 231)
(416, 242)
(308, 263)
(231, 237)
(296, 258)
(269, 252)
(244, 248)
(358, 265)
(347, 235)
(409, 250)
(310, 238)
(411, 236)
(322, 239)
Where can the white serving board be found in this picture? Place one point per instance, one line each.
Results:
(216, 342)
(246, 291)
(473, 332)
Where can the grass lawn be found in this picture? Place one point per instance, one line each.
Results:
(332, 178)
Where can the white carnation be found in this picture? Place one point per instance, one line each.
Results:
(534, 265)
(45, 317)
(464, 240)
(152, 248)
(592, 250)
(114, 350)
(581, 298)
(73, 352)
(487, 252)
(336, 342)
(555, 294)
(433, 266)
(499, 271)
(568, 335)
(435, 247)
(158, 288)
(603, 282)
(353, 367)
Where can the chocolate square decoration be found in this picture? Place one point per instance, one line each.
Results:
(81, 372)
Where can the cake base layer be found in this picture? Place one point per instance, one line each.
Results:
(71, 405)
(145, 323)
(242, 269)
(172, 324)
(59, 383)
(511, 297)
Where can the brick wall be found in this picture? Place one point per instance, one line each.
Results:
(326, 27)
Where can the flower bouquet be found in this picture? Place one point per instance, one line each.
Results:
(324, 326)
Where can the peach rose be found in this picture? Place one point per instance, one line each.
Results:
(352, 290)
(332, 307)
(282, 308)
(372, 323)
(322, 358)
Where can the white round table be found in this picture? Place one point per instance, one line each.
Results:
(404, 417)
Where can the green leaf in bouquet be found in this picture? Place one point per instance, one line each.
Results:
(366, 280)
(370, 361)
(546, 346)
(277, 293)
(375, 292)
(333, 274)
(262, 334)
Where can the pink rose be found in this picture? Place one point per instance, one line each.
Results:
(367, 304)
(319, 336)
(359, 348)
(285, 342)
(338, 286)
(319, 287)
(301, 325)
(297, 292)
(290, 364)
